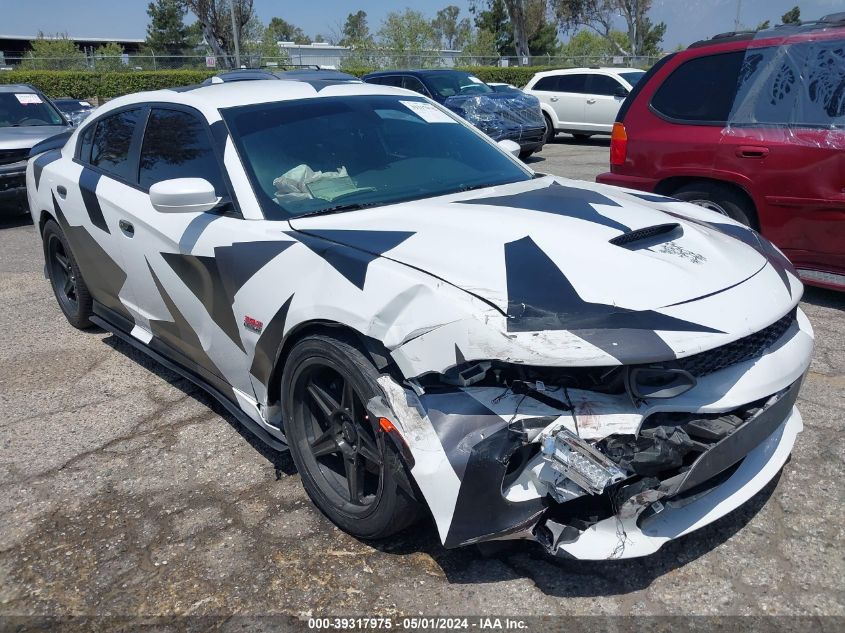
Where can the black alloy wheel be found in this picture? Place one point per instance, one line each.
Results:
(67, 282)
(349, 466)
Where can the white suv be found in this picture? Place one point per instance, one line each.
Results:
(582, 101)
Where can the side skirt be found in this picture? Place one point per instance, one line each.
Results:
(104, 318)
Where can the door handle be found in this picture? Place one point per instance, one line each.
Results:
(591, 100)
(127, 228)
(61, 191)
(552, 98)
(752, 151)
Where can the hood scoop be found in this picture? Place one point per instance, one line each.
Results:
(648, 236)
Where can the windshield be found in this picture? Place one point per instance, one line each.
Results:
(19, 109)
(633, 77)
(335, 153)
(449, 84)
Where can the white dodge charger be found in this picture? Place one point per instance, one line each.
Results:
(428, 325)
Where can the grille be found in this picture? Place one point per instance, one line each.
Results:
(9, 156)
(744, 349)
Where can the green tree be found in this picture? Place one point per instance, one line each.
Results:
(356, 31)
(540, 34)
(494, 20)
(58, 52)
(109, 57)
(409, 39)
(600, 15)
(793, 16)
(451, 32)
(215, 20)
(480, 49)
(166, 32)
(287, 32)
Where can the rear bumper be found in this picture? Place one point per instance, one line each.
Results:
(628, 182)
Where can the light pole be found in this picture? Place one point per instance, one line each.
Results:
(235, 35)
(738, 9)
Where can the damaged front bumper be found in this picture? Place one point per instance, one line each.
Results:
(601, 475)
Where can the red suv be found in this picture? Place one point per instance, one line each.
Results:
(751, 125)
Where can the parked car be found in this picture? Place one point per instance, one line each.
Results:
(511, 116)
(75, 110)
(751, 126)
(370, 281)
(26, 118)
(582, 101)
(298, 74)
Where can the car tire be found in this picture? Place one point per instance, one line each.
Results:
(550, 129)
(326, 384)
(720, 198)
(581, 137)
(66, 279)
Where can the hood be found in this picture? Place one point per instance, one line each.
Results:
(548, 241)
(25, 137)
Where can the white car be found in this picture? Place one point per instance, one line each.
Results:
(359, 275)
(582, 101)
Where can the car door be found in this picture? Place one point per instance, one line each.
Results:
(602, 104)
(89, 198)
(569, 101)
(786, 135)
(183, 308)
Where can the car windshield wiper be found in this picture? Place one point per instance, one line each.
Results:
(352, 206)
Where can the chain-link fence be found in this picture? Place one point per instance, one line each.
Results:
(337, 57)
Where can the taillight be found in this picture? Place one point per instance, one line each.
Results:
(618, 144)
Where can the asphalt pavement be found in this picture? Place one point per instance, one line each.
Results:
(126, 491)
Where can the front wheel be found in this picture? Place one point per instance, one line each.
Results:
(550, 128)
(65, 278)
(349, 466)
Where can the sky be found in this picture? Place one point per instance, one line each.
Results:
(687, 20)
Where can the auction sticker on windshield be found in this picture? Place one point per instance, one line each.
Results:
(27, 98)
(427, 112)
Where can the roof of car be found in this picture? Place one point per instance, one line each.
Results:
(210, 98)
(319, 74)
(600, 69)
(17, 88)
(781, 32)
(416, 71)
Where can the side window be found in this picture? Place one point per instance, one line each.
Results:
(412, 83)
(603, 85)
(85, 140)
(177, 145)
(701, 90)
(572, 83)
(112, 141)
(546, 84)
(392, 80)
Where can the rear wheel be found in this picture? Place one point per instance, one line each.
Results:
(550, 128)
(348, 464)
(65, 277)
(719, 198)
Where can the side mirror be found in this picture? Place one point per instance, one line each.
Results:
(512, 147)
(183, 195)
(621, 91)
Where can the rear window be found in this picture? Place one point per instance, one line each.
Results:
(572, 83)
(801, 85)
(546, 84)
(701, 90)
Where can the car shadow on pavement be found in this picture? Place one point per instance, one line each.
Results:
(281, 461)
(567, 578)
(15, 222)
(824, 298)
(593, 141)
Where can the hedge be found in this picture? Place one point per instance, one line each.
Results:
(82, 84)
